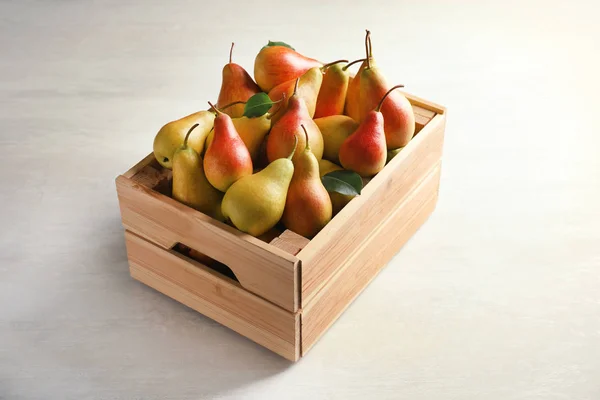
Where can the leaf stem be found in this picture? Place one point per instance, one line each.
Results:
(280, 102)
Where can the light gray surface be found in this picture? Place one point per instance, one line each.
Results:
(496, 297)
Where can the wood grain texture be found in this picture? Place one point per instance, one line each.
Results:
(262, 269)
(214, 295)
(377, 249)
(344, 235)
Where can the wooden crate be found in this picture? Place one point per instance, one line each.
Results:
(281, 290)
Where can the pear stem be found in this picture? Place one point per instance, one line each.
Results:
(386, 95)
(307, 148)
(214, 108)
(188, 135)
(353, 62)
(333, 63)
(296, 86)
(280, 102)
(231, 51)
(294, 149)
(231, 104)
(368, 48)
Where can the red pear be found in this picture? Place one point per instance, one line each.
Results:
(237, 85)
(281, 138)
(277, 63)
(332, 96)
(227, 158)
(365, 152)
(398, 115)
(308, 206)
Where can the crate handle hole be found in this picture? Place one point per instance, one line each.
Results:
(205, 260)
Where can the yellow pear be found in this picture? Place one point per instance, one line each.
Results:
(255, 203)
(190, 185)
(170, 137)
(335, 129)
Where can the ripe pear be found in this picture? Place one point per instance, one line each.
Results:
(276, 64)
(190, 185)
(227, 159)
(255, 203)
(332, 95)
(308, 90)
(398, 114)
(352, 107)
(338, 200)
(308, 207)
(170, 137)
(365, 152)
(237, 85)
(335, 129)
(252, 131)
(288, 129)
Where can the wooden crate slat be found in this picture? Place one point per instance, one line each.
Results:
(262, 269)
(215, 296)
(358, 272)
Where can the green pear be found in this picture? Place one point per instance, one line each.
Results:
(393, 153)
(170, 137)
(335, 129)
(190, 185)
(255, 203)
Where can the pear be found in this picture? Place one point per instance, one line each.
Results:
(170, 137)
(308, 207)
(398, 114)
(227, 159)
(255, 203)
(365, 152)
(277, 63)
(332, 95)
(252, 131)
(190, 185)
(338, 200)
(308, 90)
(393, 153)
(352, 106)
(281, 138)
(237, 86)
(326, 166)
(335, 129)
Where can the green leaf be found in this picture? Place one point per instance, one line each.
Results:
(271, 44)
(257, 105)
(344, 182)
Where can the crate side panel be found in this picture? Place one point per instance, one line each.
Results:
(358, 272)
(262, 269)
(345, 234)
(216, 297)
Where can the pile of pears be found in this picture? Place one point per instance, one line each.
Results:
(290, 147)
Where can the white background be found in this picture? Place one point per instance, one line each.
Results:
(496, 297)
